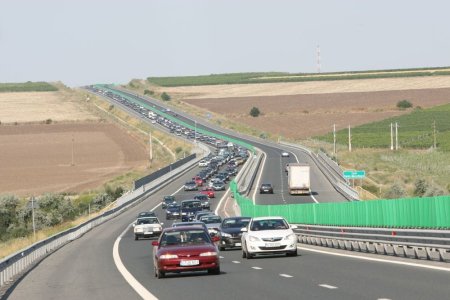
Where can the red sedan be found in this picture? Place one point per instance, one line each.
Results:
(185, 249)
(198, 180)
(208, 191)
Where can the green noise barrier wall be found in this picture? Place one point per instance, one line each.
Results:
(175, 120)
(432, 212)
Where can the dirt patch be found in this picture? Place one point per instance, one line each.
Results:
(40, 106)
(301, 116)
(315, 87)
(37, 159)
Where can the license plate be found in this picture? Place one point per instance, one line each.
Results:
(148, 232)
(272, 245)
(185, 263)
(237, 244)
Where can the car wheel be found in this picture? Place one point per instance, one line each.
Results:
(244, 255)
(293, 253)
(248, 255)
(160, 274)
(136, 238)
(221, 248)
(215, 271)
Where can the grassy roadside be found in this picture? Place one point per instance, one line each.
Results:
(27, 87)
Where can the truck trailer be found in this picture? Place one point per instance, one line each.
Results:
(299, 179)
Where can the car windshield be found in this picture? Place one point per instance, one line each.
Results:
(201, 197)
(269, 224)
(191, 204)
(185, 237)
(169, 199)
(190, 183)
(211, 219)
(235, 223)
(147, 221)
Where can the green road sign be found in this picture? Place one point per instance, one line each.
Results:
(354, 174)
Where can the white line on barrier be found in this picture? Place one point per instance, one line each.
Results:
(136, 285)
(377, 259)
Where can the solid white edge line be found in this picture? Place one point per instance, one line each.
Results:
(377, 259)
(139, 288)
(327, 286)
(220, 201)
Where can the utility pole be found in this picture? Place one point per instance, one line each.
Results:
(334, 138)
(396, 136)
(392, 138)
(349, 139)
(434, 134)
(73, 142)
(150, 146)
(32, 216)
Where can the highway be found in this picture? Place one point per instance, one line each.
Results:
(85, 269)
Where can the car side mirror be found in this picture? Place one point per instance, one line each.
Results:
(294, 227)
(244, 229)
(155, 243)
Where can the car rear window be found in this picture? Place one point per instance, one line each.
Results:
(191, 236)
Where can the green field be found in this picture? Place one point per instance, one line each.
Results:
(27, 87)
(415, 131)
(273, 77)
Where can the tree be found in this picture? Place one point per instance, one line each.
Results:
(403, 104)
(254, 112)
(149, 92)
(165, 96)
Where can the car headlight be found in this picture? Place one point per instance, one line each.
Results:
(291, 236)
(253, 238)
(157, 229)
(183, 213)
(224, 234)
(208, 254)
(168, 256)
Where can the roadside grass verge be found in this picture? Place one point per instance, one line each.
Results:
(27, 87)
(273, 77)
(416, 130)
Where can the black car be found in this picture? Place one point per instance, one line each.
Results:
(190, 186)
(167, 200)
(266, 188)
(230, 232)
(146, 214)
(189, 208)
(173, 211)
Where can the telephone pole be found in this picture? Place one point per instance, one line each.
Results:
(73, 160)
(349, 139)
(434, 134)
(392, 138)
(334, 139)
(150, 146)
(396, 136)
(318, 59)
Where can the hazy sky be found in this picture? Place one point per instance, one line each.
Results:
(110, 41)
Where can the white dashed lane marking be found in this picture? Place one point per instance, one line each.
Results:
(221, 257)
(286, 275)
(257, 268)
(327, 286)
(236, 262)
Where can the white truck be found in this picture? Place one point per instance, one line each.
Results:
(299, 179)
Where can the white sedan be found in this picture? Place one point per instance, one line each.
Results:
(268, 235)
(284, 154)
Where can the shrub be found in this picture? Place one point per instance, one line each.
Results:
(254, 112)
(421, 187)
(48, 121)
(396, 191)
(403, 104)
(111, 107)
(149, 92)
(178, 150)
(165, 96)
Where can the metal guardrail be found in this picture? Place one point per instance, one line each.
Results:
(408, 243)
(342, 187)
(13, 266)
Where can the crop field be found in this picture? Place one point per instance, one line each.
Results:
(415, 130)
(27, 87)
(274, 77)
